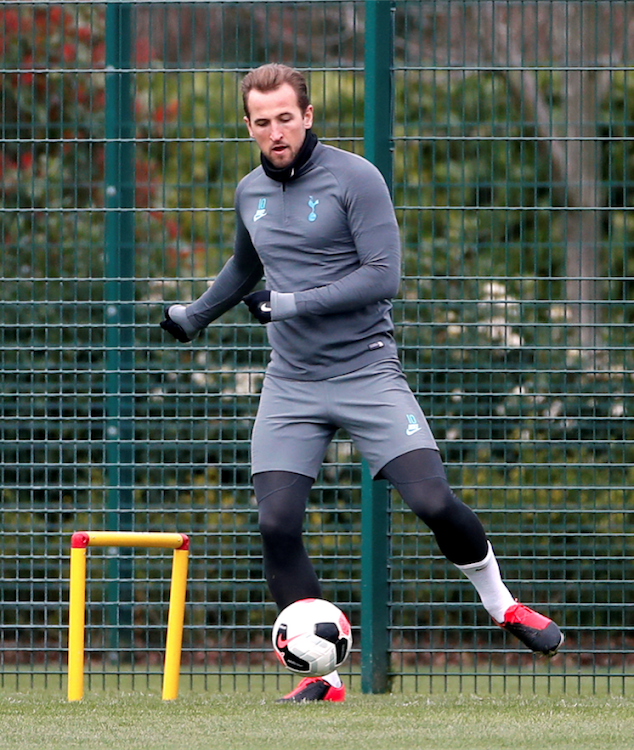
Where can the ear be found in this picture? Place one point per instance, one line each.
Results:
(248, 124)
(308, 117)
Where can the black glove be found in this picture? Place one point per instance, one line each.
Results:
(171, 326)
(259, 304)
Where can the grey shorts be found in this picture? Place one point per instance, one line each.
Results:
(297, 419)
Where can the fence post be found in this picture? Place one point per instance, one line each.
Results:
(374, 585)
(119, 299)
(374, 495)
(379, 41)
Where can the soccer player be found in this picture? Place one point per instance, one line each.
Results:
(319, 225)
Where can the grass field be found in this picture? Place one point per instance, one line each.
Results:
(39, 719)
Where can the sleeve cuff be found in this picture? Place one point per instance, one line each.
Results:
(178, 313)
(283, 305)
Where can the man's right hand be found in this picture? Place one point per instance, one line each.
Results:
(175, 322)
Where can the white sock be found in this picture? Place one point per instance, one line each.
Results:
(333, 679)
(486, 578)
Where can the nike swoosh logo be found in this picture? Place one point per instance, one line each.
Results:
(265, 307)
(412, 429)
(259, 216)
(282, 642)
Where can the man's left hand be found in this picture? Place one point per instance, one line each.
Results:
(259, 304)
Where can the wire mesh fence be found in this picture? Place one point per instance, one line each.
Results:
(121, 145)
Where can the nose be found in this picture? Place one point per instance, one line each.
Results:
(276, 133)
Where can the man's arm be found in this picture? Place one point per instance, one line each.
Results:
(238, 277)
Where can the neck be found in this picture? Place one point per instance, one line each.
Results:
(292, 170)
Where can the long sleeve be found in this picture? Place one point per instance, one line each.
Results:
(238, 277)
(376, 237)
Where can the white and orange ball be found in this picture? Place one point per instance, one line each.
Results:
(312, 637)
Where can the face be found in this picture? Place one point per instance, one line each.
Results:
(277, 124)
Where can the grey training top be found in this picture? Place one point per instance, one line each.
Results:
(328, 239)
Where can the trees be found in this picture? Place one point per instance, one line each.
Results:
(560, 60)
(583, 45)
(505, 168)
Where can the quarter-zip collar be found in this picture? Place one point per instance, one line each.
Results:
(294, 169)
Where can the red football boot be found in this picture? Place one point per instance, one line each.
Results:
(314, 689)
(539, 633)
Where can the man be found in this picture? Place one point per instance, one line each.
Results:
(319, 224)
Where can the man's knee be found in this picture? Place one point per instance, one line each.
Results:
(432, 500)
(282, 500)
(278, 528)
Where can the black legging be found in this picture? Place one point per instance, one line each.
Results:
(282, 497)
(419, 477)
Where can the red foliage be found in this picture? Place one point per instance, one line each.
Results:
(10, 21)
(98, 53)
(27, 77)
(26, 160)
(65, 111)
(143, 52)
(84, 34)
(69, 53)
(56, 15)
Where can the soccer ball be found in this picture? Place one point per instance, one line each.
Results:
(312, 637)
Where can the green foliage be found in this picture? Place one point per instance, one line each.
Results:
(52, 120)
(196, 152)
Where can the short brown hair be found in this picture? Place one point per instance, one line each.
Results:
(270, 77)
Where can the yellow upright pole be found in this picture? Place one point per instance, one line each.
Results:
(175, 620)
(76, 623)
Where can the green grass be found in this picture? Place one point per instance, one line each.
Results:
(206, 721)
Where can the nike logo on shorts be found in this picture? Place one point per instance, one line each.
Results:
(412, 427)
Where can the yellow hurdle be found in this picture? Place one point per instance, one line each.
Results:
(80, 541)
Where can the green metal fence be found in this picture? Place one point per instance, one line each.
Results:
(505, 131)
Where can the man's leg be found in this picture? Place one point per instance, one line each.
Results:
(419, 477)
(282, 497)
